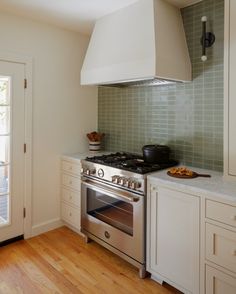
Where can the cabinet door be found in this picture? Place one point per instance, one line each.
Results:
(173, 245)
(219, 283)
(232, 90)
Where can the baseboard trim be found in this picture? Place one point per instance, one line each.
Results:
(46, 226)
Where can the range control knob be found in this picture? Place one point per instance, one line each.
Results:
(129, 184)
(126, 183)
(90, 172)
(115, 179)
(122, 181)
(87, 172)
(134, 185)
(137, 185)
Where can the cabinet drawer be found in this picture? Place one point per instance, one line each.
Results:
(70, 215)
(71, 197)
(221, 247)
(219, 283)
(70, 167)
(223, 213)
(71, 182)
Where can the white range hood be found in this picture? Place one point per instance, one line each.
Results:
(143, 42)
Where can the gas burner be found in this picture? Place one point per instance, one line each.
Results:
(113, 158)
(129, 162)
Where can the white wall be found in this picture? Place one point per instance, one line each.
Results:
(63, 111)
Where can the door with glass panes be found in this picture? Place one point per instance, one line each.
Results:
(11, 149)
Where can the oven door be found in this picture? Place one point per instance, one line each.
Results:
(114, 216)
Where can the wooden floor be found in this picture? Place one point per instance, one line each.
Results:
(60, 262)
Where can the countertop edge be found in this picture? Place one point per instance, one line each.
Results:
(215, 191)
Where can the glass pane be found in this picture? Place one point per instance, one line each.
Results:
(4, 120)
(4, 90)
(116, 213)
(4, 149)
(4, 209)
(4, 176)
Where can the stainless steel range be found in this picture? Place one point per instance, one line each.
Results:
(114, 202)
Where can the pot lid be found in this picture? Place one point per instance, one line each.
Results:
(155, 147)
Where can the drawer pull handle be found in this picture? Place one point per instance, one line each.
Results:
(70, 214)
(233, 217)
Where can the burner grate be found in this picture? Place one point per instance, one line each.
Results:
(130, 162)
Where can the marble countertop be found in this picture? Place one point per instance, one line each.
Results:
(216, 186)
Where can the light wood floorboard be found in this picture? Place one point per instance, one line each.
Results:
(60, 261)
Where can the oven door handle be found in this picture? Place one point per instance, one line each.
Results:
(116, 195)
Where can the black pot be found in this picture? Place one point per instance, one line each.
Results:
(156, 153)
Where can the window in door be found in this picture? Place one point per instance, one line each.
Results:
(5, 128)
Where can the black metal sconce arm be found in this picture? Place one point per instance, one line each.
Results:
(207, 39)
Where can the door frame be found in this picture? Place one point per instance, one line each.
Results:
(28, 65)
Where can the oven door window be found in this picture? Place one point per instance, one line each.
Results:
(112, 211)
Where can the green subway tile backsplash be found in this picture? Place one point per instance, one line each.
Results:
(188, 117)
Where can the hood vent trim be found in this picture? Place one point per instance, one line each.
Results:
(142, 83)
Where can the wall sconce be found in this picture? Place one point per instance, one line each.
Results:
(207, 39)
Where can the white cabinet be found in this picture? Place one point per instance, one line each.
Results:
(230, 89)
(70, 192)
(220, 247)
(173, 238)
(191, 236)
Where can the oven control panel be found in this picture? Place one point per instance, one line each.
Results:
(126, 182)
(125, 179)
